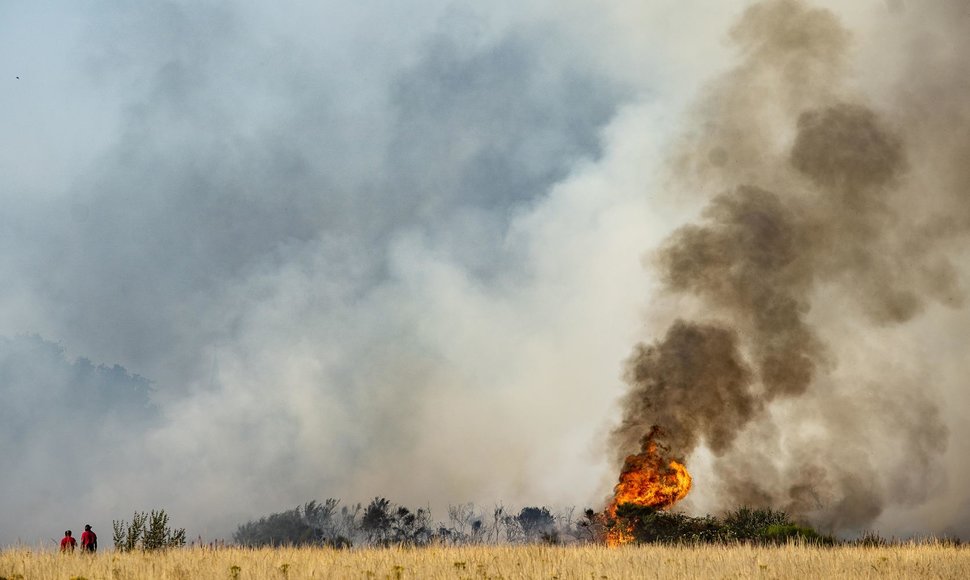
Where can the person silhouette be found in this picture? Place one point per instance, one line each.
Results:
(89, 540)
(68, 542)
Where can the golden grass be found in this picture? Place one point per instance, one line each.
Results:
(582, 562)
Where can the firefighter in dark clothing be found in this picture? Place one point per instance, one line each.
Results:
(89, 540)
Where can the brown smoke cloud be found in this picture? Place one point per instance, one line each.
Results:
(828, 211)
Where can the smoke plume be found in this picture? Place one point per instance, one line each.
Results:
(815, 192)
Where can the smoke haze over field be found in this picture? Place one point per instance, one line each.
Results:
(366, 250)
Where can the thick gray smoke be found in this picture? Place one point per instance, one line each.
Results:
(368, 248)
(330, 234)
(817, 192)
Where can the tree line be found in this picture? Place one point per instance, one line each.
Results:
(383, 523)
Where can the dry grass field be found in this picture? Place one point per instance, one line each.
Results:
(584, 562)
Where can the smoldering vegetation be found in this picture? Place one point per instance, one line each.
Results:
(813, 194)
(383, 523)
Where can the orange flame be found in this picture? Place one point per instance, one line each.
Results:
(647, 479)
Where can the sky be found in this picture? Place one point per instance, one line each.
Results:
(256, 253)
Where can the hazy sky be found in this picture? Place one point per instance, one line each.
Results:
(373, 248)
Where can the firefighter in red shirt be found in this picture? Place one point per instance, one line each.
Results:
(89, 540)
(68, 542)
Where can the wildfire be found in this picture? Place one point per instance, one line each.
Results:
(647, 479)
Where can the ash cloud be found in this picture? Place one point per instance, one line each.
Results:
(822, 215)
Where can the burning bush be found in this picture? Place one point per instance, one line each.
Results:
(645, 524)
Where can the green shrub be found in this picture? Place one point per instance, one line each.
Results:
(762, 526)
(147, 531)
